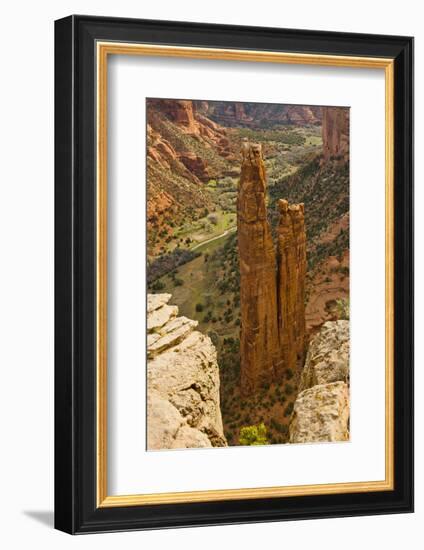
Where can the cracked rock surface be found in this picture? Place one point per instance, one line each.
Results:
(183, 408)
(322, 409)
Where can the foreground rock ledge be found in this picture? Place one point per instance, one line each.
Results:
(321, 410)
(182, 381)
(321, 413)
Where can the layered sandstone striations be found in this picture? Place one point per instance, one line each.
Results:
(259, 340)
(291, 283)
(183, 408)
(335, 132)
(272, 286)
(321, 410)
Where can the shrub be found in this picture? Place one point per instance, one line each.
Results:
(158, 285)
(253, 435)
(288, 388)
(281, 428)
(199, 307)
(213, 218)
(289, 374)
(289, 410)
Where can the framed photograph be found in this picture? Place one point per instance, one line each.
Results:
(234, 274)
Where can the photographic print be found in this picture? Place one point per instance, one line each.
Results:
(248, 274)
(204, 240)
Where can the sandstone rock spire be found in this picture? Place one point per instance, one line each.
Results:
(291, 283)
(272, 286)
(259, 341)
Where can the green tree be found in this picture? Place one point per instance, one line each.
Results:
(253, 435)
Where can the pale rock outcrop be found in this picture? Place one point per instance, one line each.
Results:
(155, 301)
(158, 318)
(321, 411)
(328, 356)
(183, 408)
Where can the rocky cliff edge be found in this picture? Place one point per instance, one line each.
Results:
(183, 409)
(321, 410)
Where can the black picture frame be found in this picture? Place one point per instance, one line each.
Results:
(76, 510)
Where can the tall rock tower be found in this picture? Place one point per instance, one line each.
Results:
(272, 286)
(291, 283)
(335, 132)
(259, 340)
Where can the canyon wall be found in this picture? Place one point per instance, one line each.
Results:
(335, 132)
(321, 410)
(272, 285)
(185, 150)
(259, 115)
(183, 405)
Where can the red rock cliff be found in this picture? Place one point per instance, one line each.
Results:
(335, 132)
(272, 287)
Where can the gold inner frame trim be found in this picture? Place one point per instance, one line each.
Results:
(104, 49)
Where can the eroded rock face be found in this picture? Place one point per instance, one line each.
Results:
(272, 286)
(335, 132)
(321, 410)
(195, 165)
(182, 381)
(179, 111)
